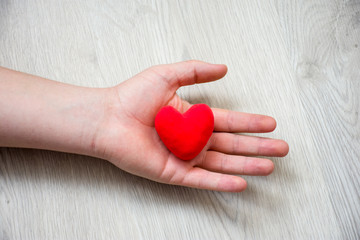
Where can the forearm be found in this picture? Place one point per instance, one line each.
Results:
(39, 113)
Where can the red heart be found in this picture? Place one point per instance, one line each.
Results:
(185, 135)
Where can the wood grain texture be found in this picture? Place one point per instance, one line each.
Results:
(298, 61)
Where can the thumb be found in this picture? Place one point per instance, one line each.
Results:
(189, 72)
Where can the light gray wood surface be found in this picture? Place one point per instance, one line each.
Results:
(298, 61)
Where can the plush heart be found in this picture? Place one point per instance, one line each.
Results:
(185, 135)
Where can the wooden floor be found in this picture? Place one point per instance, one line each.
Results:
(298, 61)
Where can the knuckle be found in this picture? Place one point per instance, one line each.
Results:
(236, 144)
(230, 119)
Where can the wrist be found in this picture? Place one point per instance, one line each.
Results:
(70, 120)
(39, 113)
(84, 117)
(95, 112)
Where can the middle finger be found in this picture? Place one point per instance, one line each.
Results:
(247, 145)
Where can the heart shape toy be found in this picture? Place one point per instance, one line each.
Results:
(185, 135)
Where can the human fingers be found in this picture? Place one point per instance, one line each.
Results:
(231, 121)
(204, 179)
(189, 72)
(248, 145)
(233, 164)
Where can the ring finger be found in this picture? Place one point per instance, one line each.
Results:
(232, 164)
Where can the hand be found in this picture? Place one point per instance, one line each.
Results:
(127, 136)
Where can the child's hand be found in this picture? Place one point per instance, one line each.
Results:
(127, 137)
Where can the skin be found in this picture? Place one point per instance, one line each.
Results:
(117, 124)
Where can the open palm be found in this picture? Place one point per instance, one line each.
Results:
(128, 139)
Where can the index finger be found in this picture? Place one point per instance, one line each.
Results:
(231, 121)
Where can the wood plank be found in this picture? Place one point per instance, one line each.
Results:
(295, 60)
(324, 54)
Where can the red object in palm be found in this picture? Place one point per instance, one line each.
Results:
(185, 135)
